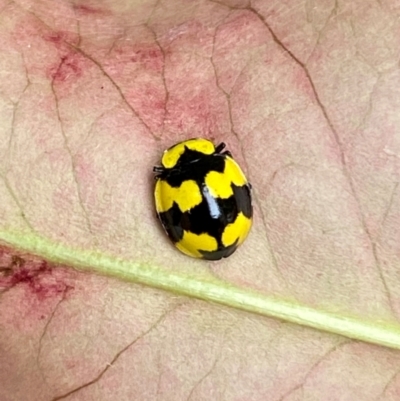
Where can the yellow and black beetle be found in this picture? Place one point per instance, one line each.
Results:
(203, 199)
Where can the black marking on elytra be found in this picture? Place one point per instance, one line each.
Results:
(195, 170)
(193, 165)
(243, 198)
(172, 222)
(189, 156)
(199, 220)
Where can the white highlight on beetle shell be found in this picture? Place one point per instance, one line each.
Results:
(211, 202)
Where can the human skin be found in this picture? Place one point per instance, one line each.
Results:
(307, 97)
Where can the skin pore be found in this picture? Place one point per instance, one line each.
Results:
(306, 96)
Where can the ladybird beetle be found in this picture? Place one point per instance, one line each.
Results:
(202, 199)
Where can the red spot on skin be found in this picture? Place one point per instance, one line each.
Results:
(150, 58)
(69, 67)
(69, 64)
(87, 10)
(54, 37)
(147, 56)
(36, 275)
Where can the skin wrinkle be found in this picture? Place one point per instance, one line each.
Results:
(390, 381)
(166, 99)
(342, 156)
(8, 153)
(390, 203)
(368, 111)
(204, 377)
(315, 366)
(15, 198)
(119, 90)
(72, 159)
(48, 321)
(159, 376)
(117, 356)
(317, 42)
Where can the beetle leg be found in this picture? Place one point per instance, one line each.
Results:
(219, 148)
(227, 153)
